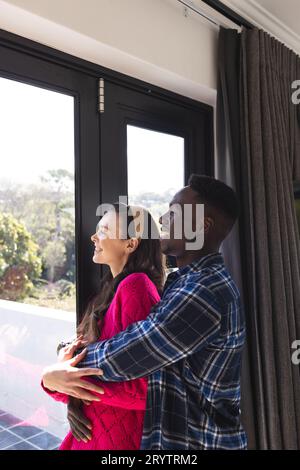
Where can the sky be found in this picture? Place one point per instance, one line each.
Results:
(36, 131)
(155, 160)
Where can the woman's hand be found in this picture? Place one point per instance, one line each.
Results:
(79, 424)
(67, 352)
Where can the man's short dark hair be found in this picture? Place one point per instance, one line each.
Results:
(218, 195)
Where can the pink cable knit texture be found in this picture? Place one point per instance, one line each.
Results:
(117, 420)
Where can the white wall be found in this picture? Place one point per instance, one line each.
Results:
(148, 39)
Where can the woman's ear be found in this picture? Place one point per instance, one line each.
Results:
(132, 244)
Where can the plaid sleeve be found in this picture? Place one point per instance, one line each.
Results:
(177, 326)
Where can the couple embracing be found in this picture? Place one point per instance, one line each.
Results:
(160, 368)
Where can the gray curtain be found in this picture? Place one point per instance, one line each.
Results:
(258, 136)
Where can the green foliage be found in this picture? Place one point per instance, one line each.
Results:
(37, 241)
(65, 288)
(58, 295)
(55, 256)
(20, 263)
(47, 211)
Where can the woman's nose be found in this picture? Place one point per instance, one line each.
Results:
(93, 237)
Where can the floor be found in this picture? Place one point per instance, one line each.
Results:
(17, 435)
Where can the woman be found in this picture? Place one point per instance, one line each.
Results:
(124, 242)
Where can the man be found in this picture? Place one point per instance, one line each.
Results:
(191, 343)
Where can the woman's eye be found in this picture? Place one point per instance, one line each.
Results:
(102, 233)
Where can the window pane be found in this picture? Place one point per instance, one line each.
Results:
(37, 255)
(155, 168)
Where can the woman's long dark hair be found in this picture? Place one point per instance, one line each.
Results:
(147, 258)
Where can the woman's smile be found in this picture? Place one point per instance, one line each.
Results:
(98, 249)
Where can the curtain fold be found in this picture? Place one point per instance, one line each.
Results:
(258, 136)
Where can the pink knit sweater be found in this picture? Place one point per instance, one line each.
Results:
(117, 420)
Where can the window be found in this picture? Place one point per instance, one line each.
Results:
(155, 168)
(47, 214)
(37, 205)
(37, 257)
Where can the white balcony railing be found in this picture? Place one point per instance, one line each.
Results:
(28, 339)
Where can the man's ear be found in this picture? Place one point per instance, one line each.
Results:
(208, 224)
(132, 244)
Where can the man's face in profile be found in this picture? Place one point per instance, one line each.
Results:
(179, 224)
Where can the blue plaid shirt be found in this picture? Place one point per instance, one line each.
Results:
(190, 348)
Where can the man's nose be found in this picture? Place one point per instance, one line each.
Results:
(93, 237)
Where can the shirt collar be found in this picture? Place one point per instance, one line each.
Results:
(215, 258)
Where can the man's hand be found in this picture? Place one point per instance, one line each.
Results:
(79, 424)
(65, 378)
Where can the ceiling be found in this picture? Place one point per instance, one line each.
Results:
(281, 18)
(286, 11)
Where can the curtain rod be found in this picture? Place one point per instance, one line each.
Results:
(220, 8)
